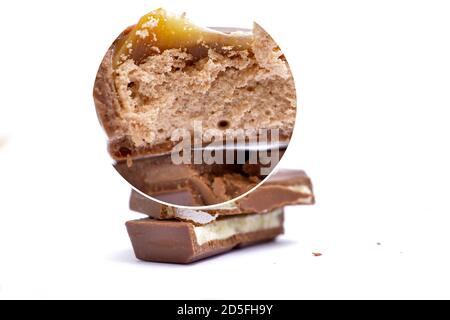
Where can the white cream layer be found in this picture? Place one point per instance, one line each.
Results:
(226, 228)
(195, 216)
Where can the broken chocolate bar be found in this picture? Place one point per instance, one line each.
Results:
(191, 184)
(285, 187)
(183, 242)
(164, 73)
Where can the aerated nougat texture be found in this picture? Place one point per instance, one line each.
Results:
(246, 86)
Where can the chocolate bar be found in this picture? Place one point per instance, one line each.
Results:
(184, 235)
(167, 86)
(193, 184)
(285, 187)
(182, 242)
(190, 235)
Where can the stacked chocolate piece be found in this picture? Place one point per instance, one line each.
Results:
(177, 235)
(196, 118)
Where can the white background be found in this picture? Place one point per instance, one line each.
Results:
(373, 132)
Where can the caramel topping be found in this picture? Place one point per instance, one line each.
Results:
(159, 31)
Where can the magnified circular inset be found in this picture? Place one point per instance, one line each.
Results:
(194, 116)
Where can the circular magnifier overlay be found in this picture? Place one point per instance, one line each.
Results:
(195, 117)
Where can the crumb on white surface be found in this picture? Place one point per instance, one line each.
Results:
(317, 254)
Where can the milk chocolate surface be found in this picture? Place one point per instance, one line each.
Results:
(286, 187)
(178, 242)
(191, 184)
